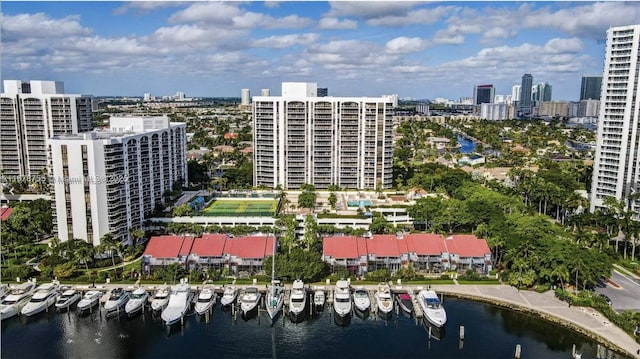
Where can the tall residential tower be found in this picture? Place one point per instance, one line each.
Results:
(302, 138)
(30, 113)
(525, 104)
(616, 168)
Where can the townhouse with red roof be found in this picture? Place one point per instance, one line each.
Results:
(424, 251)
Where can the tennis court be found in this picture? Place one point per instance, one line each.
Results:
(241, 208)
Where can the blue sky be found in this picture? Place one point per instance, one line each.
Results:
(363, 48)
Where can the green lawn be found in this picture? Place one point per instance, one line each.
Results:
(239, 207)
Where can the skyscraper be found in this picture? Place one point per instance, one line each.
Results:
(245, 97)
(302, 138)
(590, 88)
(483, 94)
(108, 181)
(525, 95)
(30, 113)
(616, 169)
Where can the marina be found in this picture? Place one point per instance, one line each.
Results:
(318, 333)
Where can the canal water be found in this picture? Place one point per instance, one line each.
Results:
(490, 332)
(466, 145)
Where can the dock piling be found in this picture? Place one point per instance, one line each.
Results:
(518, 351)
(461, 332)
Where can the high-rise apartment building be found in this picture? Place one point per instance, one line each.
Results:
(302, 138)
(588, 108)
(323, 92)
(108, 181)
(245, 97)
(590, 88)
(525, 103)
(30, 113)
(616, 168)
(265, 92)
(483, 94)
(541, 93)
(494, 111)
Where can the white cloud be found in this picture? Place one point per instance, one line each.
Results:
(332, 23)
(147, 6)
(227, 15)
(556, 46)
(403, 45)
(40, 25)
(280, 42)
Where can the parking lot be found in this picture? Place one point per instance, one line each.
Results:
(624, 296)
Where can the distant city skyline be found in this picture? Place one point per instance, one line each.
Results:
(209, 49)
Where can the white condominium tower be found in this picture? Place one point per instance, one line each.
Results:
(30, 113)
(616, 169)
(108, 181)
(302, 138)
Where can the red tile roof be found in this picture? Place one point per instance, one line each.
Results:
(344, 247)
(5, 212)
(467, 245)
(383, 245)
(425, 244)
(186, 246)
(209, 245)
(250, 247)
(164, 246)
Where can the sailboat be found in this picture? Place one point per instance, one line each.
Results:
(275, 291)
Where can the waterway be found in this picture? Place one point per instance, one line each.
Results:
(490, 332)
(466, 145)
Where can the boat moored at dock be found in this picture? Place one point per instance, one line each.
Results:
(206, 300)
(136, 302)
(44, 297)
(297, 300)
(229, 295)
(342, 298)
(17, 298)
(89, 300)
(432, 307)
(160, 298)
(118, 298)
(405, 302)
(274, 298)
(319, 298)
(68, 298)
(384, 300)
(179, 302)
(249, 300)
(361, 300)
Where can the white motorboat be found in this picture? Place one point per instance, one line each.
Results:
(44, 297)
(342, 298)
(206, 300)
(18, 296)
(274, 298)
(68, 298)
(118, 298)
(319, 298)
(384, 300)
(361, 299)
(136, 302)
(229, 296)
(160, 298)
(249, 299)
(179, 302)
(4, 291)
(432, 308)
(297, 298)
(89, 300)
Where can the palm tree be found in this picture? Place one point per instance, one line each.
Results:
(561, 273)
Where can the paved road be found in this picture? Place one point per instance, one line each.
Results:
(624, 296)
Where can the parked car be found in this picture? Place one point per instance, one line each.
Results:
(606, 299)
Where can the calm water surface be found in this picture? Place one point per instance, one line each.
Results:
(466, 146)
(490, 332)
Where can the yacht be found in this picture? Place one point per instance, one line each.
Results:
(16, 299)
(4, 291)
(361, 299)
(384, 300)
(118, 298)
(432, 308)
(89, 300)
(160, 298)
(405, 302)
(297, 299)
(206, 300)
(229, 296)
(68, 298)
(342, 298)
(319, 298)
(249, 300)
(136, 302)
(274, 298)
(44, 297)
(179, 302)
